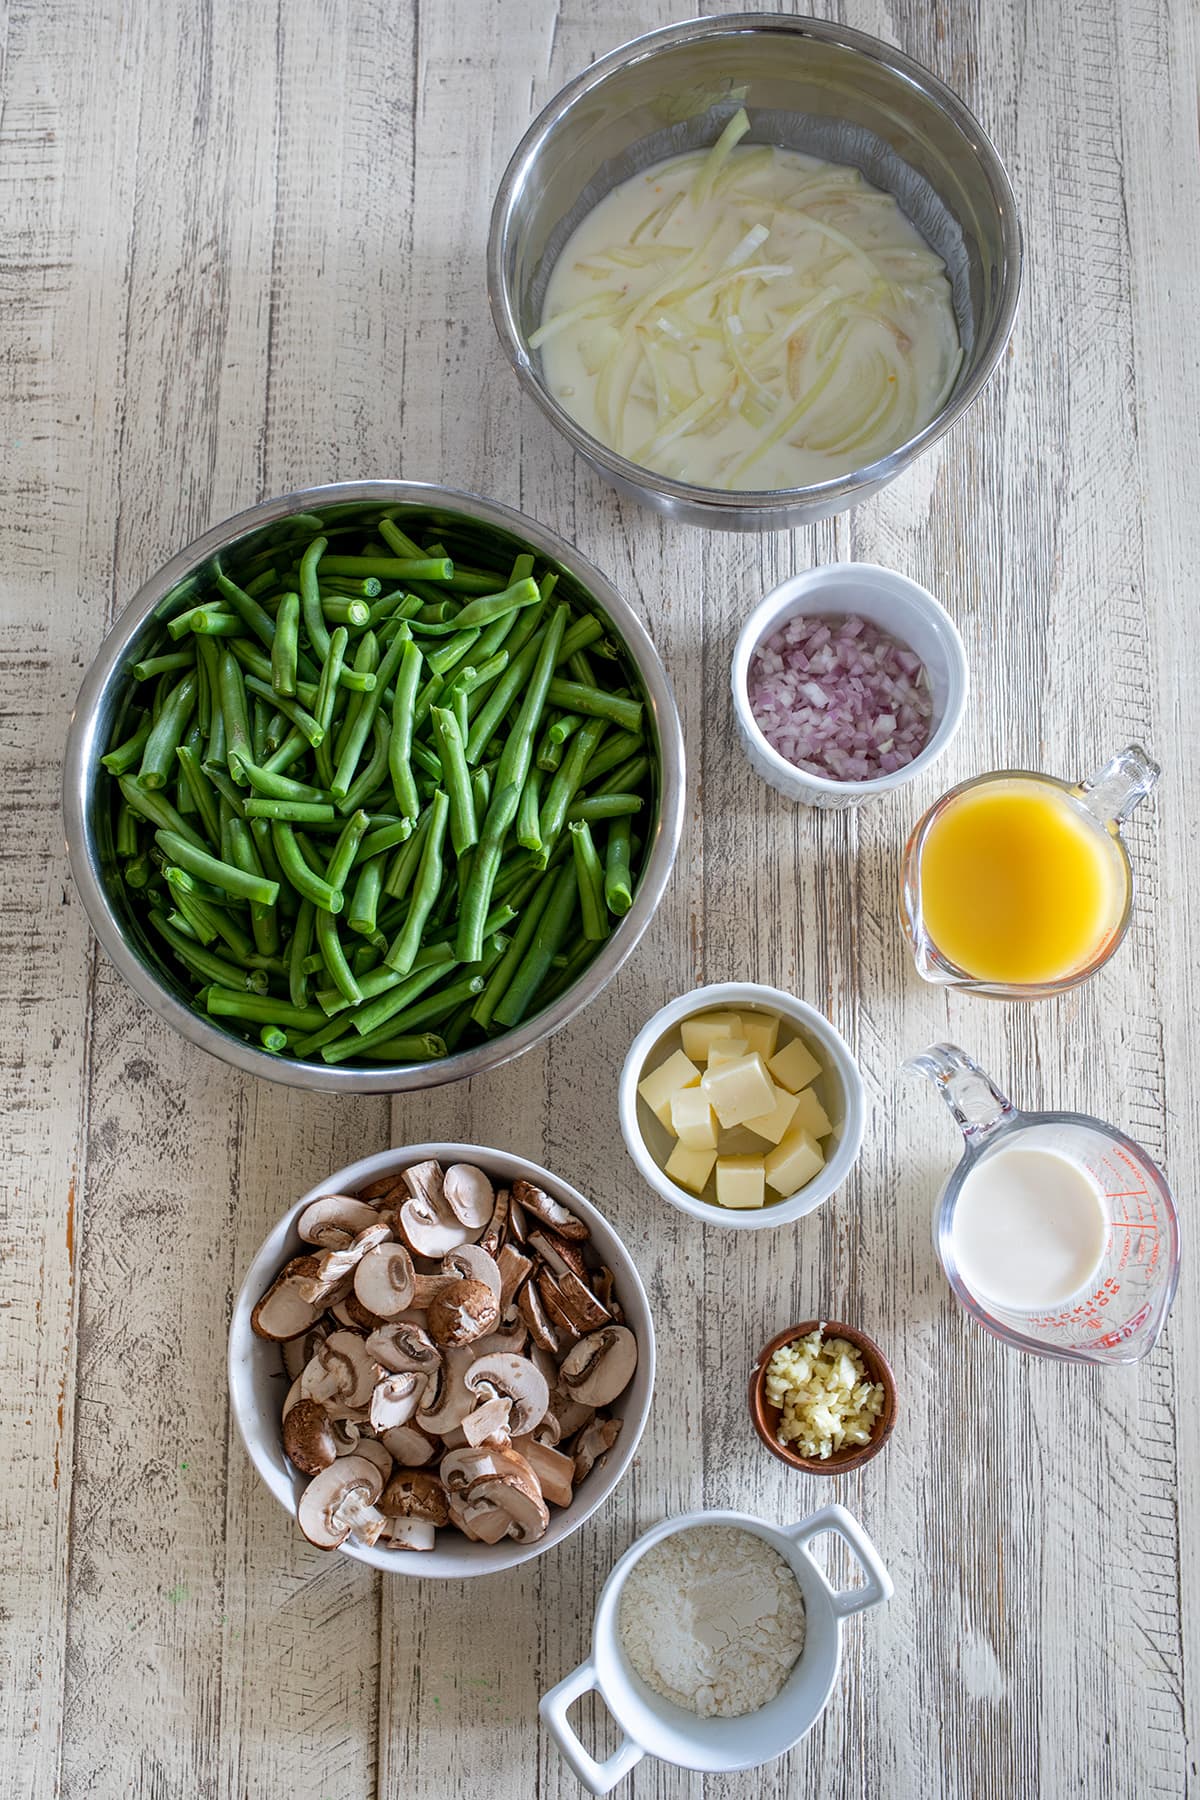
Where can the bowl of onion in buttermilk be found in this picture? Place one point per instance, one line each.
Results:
(752, 266)
(848, 681)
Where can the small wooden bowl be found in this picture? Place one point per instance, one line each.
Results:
(766, 1417)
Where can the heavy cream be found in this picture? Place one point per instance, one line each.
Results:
(749, 319)
(1030, 1228)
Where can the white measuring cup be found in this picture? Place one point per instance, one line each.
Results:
(1117, 1318)
(656, 1727)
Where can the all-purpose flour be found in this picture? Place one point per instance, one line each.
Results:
(713, 1619)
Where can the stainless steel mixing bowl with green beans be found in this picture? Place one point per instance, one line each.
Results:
(373, 787)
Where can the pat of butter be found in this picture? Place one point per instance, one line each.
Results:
(775, 1124)
(699, 1034)
(727, 1050)
(794, 1066)
(811, 1114)
(761, 1031)
(741, 1181)
(692, 1119)
(739, 1090)
(690, 1168)
(794, 1162)
(656, 1089)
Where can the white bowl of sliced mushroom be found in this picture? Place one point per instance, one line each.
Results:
(441, 1360)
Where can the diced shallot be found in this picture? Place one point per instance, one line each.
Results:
(839, 698)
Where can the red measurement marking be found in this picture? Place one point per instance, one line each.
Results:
(1132, 1225)
(1127, 1194)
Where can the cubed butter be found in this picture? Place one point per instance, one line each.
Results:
(693, 1120)
(700, 1033)
(794, 1066)
(690, 1168)
(656, 1089)
(761, 1030)
(739, 1090)
(811, 1114)
(727, 1050)
(775, 1124)
(741, 1181)
(794, 1161)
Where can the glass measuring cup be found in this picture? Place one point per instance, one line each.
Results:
(1117, 1318)
(1104, 801)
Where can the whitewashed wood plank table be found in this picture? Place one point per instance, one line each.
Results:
(243, 251)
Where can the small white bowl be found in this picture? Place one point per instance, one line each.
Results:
(257, 1383)
(844, 1095)
(653, 1726)
(903, 609)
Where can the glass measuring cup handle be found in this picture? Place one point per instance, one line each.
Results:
(977, 1105)
(1111, 793)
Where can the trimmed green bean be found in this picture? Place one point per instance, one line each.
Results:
(252, 615)
(342, 860)
(604, 806)
(464, 828)
(291, 709)
(529, 831)
(590, 881)
(570, 778)
(231, 690)
(425, 890)
(575, 696)
(120, 760)
(334, 958)
(163, 665)
(547, 939)
(302, 937)
(203, 963)
(364, 901)
(201, 790)
(339, 609)
(271, 786)
(493, 606)
(158, 757)
(285, 646)
(212, 868)
(307, 883)
(310, 598)
(158, 811)
(298, 812)
(392, 568)
(618, 883)
(225, 1003)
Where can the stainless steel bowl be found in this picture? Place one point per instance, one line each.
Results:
(807, 85)
(87, 829)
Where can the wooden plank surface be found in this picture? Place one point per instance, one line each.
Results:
(244, 251)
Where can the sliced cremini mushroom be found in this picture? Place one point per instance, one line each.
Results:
(341, 1500)
(551, 1212)
(297, 1351)
(463, 1313)
(377, 1452)
(531, 1309)
(483, 1523)
(469, 1195)
(447, 1400)
(559, 1253)
(459, 1468)
(338, 1266)
(430, 1231)
(284, 1311)
(424, 1181)
(385, 1280)
(552, 1299)
(580, 1304)
(416, 1505)
(510, 1340)
(470, 1263)
(388, 1187)
(518, 1225)
(600, 1366)
(497, 1226)
(399, 1346)
(564, 1418)
(351, 1312)
(592, 1443)
(347, 1436)
(555, 1472)
(341, 1371)
(396, 1399)
(604, 1288)
(514, 1268)
(409, 1445)
(489, 1423)
(335, 1220)
(516, 1492)
(308, 1437)
(515, 1378)
(427, 1288)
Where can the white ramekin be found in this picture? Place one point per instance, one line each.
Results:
(845, 1090)
(910, 614)
(257, 1383)
(653, 1726)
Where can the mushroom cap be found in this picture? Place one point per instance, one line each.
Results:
(519, 1380)
(284, 1312)
(399, 1346)
(415, 1494)
(514, 1268)
(335, 1220)
(469, 1195)
(600, 1366)
(395, 1400)
(448, 1399)
(517, 1497)
(592, 1442)
(472, 1462)
(308, 1437)
(463, 1313)
(297, 1351)
(497, 1226)
(335, 1267)
(430, 1230)
(348, 1480)
(531, 1309)
(385, 1279)
(340, 1371)
(470, 1263)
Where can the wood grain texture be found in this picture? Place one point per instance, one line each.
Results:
(245, 251)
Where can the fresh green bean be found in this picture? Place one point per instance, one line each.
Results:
(273, 1038)
(334, 957)
(547, 939)
(299, 812)
(285, 646)
(426, 888)
(625, 779)
(294, 746)
(218, 775)
(307, 883)
(574, 696)
(494, 606)
(252, 615)
(590, 880)
(271, 786)
(617, 748)
(364, 901)
(201, 790)
(618, 883)
(157, 810)
(264, 921)
(207, 867)
(203, 963)
(162, 665)
(291, 709)
(339, 609)
(231, 689)
(407, 860)
(604, 806)
(225, 1003)
(181, 625)
(122, 758)
(158, 757)
(529, 831)
(125, 836)
(310, 598)
(400, 742)
(384, 837)
(570, 778)
(302, 937)
(221, 920)
(449, 655)
(342, 860)
(464, 828)
(425, 1046)
(392, 568)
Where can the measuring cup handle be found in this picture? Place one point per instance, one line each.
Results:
(978, 1106)
(878, 1585)
(597, 1778)
(1111, 793)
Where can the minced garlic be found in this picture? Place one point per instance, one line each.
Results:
(825, 1400)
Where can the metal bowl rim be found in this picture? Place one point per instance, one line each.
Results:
(82, 753)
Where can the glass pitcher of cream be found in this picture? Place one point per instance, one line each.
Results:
(1057, 1233)
(1019, 885)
